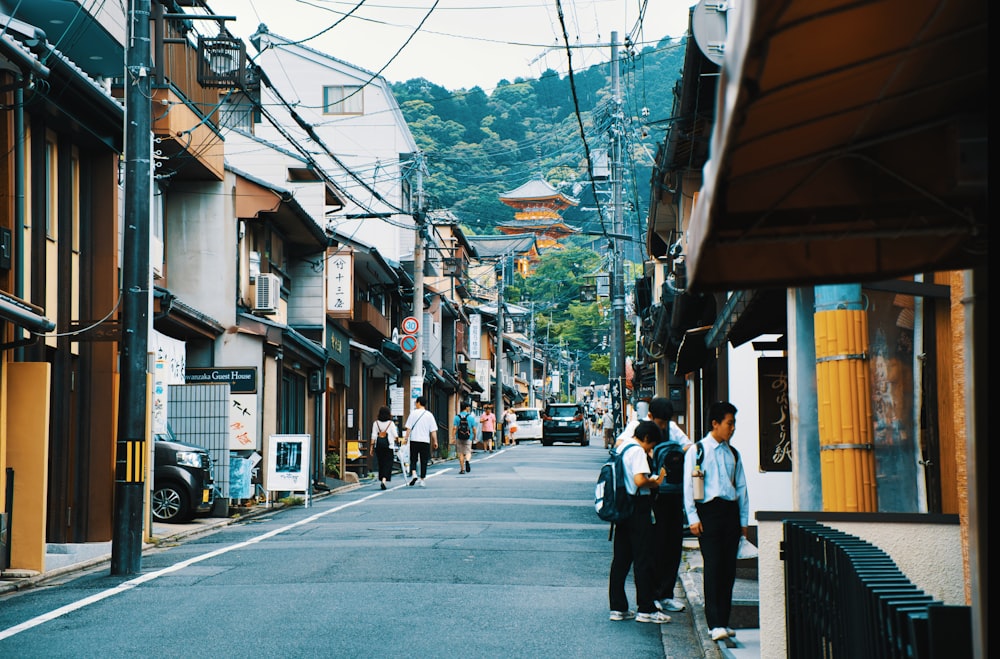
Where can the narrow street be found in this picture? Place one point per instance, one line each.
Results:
(509, 560)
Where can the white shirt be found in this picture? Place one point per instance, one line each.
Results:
(635, 463)
(421, 424)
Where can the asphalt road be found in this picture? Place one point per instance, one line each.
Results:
(507, 561)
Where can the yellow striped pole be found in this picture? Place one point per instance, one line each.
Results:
(843, 393)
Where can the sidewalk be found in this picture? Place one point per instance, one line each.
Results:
(746, 645)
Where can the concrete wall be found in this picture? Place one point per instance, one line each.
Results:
(926, 548)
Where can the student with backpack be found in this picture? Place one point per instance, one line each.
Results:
(718, 511)
(668, 504)
(633, 547)
(465, 430)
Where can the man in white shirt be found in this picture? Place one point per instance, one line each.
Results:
(421, 435)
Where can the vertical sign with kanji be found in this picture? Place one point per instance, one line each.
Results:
(475, 336)
(340, 288)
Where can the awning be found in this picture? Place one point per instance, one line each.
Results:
(693, 351)
(375, 360)
(850, 144)
(748, 314)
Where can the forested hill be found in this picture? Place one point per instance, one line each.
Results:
(479, 145)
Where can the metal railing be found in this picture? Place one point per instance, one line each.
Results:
(844, 597)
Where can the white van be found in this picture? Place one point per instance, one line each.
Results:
(529, 424)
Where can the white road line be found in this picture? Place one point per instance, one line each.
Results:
(132, 583)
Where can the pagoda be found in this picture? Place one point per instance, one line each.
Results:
(538, 207)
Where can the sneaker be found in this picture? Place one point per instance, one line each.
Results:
(731, 632)
(621, 615)
(719, 633)
(383, 483)
(656, 616)
(671, 605)
(413, 482)
(422, 483)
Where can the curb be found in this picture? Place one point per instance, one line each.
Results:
(710, 648)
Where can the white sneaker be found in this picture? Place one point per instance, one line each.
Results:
(422, 483)
(656, 616)
(719, 633)
(731, 632)
(671, 605)
(621, 615)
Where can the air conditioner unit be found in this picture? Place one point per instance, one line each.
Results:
(268, 293)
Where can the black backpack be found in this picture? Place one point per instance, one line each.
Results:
(463, 432)
(669, 455)
(612, 501)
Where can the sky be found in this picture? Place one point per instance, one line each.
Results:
(460, 44)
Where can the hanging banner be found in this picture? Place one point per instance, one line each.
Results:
(775, 427)
(475, 336)
(168, 368)
(340, 283)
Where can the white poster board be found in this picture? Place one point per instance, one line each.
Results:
(286, 463)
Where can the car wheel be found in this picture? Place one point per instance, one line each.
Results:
(170, 504)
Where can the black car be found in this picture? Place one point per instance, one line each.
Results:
(183, 484)
(564, 422)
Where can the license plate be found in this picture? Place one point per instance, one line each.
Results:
(563, 423)
(204, 496)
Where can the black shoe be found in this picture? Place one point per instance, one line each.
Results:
(413, 482)
(468, 465)
(383, 485)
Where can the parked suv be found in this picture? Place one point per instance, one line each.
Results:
(183, 484)
(529, 424)
(564, 422)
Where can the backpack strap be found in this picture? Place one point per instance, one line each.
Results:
(736, 457)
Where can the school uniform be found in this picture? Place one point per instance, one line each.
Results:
(723, 512)
(633, 539)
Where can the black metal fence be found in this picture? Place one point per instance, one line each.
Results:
(844, 597)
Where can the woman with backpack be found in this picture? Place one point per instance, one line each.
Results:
(384, 436)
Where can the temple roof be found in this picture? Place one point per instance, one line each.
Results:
(491, 246)
(537, 189)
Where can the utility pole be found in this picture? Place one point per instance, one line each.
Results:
(498, 394)
(418, 280)
(531, 364)
(131, 448)
(617, 366)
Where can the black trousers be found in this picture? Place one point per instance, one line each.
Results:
(420, 452)
(719, 542)
(668, 540)
(633, 548)
(384, 456)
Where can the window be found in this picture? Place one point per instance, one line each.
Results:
(51, 190)
(343, 99)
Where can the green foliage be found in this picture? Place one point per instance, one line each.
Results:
(332, 464)
(479, 145)
(292, 500)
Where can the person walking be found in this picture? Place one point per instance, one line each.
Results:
(488, 425)
(510, 426)
(633, 543)
(608, 425)
(668, 509)
(465, 429)
(421, 435)
(720, 516)
(384, 438)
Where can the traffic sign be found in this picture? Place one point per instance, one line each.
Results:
(408, 343)
(410, 325)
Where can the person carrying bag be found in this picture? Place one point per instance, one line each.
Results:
(384, 438)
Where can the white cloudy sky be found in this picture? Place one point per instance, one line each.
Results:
(461, 43)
